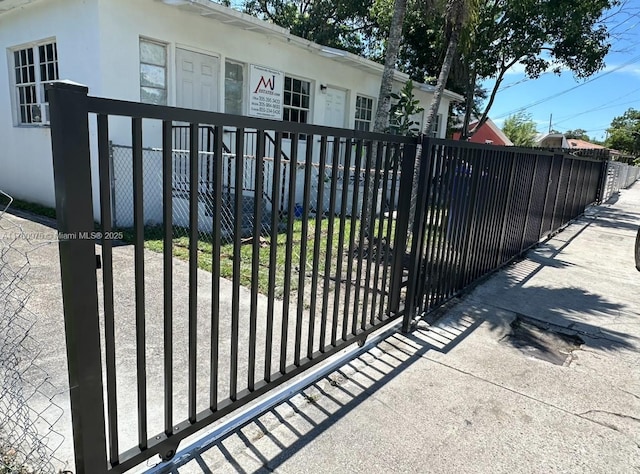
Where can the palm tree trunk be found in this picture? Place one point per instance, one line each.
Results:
(468, 109)
(381, 122)
(442, 79)
(456, 6)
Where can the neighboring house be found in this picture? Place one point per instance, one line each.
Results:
(187, 53)
(583, 144)
(558, 140)
(552, 140)
(489, 133)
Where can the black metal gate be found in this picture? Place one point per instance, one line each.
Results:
(169, 348)
(158, 348)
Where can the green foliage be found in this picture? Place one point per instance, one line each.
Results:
(578, 133)
(403, 112)
(542, 36)
(624, 133)
(520, 129)
(340, 24)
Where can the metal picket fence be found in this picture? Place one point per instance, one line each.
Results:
(618, 176)
(331, 253)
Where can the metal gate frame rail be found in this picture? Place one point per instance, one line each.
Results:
(468, 195)
(70, 107)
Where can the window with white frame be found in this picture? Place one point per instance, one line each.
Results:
(364, 113)
(34, 67)
(297, 100)
(233, 87)
(153, 72)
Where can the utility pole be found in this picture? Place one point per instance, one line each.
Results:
(550, 118)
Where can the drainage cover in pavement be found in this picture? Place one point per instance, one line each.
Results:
(538, 340)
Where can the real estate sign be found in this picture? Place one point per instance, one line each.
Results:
(265, 99)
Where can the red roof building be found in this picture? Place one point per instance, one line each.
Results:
(488, 133)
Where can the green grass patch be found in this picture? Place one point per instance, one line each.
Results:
(318, 241)
(28, 207)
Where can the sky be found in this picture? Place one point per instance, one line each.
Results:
(589, 104)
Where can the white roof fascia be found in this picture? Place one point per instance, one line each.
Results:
(207, 8)
(7, 5)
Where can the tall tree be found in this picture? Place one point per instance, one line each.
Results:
(624, 133)
(520, 129)
(457, 15)
(542, 36)
(394, 39)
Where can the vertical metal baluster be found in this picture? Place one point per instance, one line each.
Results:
(215, 265)
(260, 145)
(291, 211)
(346, 184)
(107, 283)
(273, 262)
(316, 245)
(238, 180)
(167, 251)
(138, 224)
(194, 191)
(352, 236)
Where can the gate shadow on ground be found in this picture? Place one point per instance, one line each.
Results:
(276, 436)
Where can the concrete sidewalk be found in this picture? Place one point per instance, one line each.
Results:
(536, 370)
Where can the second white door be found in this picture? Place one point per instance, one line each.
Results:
(335, 103)
(197, 80)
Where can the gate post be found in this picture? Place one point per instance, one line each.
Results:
(402, 226)
(68, 107)
(602, 181)
(420, 151)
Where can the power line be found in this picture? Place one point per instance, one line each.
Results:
(618, 40)
(607, 105)
(566, 91)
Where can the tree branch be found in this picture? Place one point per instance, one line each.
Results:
(499, 79)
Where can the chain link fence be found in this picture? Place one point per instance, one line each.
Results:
(273, 200)
(286, 186)
(28, 413)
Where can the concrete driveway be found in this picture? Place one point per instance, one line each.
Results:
(536, 370)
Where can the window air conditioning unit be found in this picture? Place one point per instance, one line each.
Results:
(40, 113)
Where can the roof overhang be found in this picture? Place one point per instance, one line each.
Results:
(8, 5)
(209, 9)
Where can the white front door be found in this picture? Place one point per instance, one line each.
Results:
(335, 103)
(197, 80)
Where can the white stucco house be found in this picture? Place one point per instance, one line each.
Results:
(187, 53)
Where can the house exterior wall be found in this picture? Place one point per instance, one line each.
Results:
(98, 46)
(26, 170)
(154, 20)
